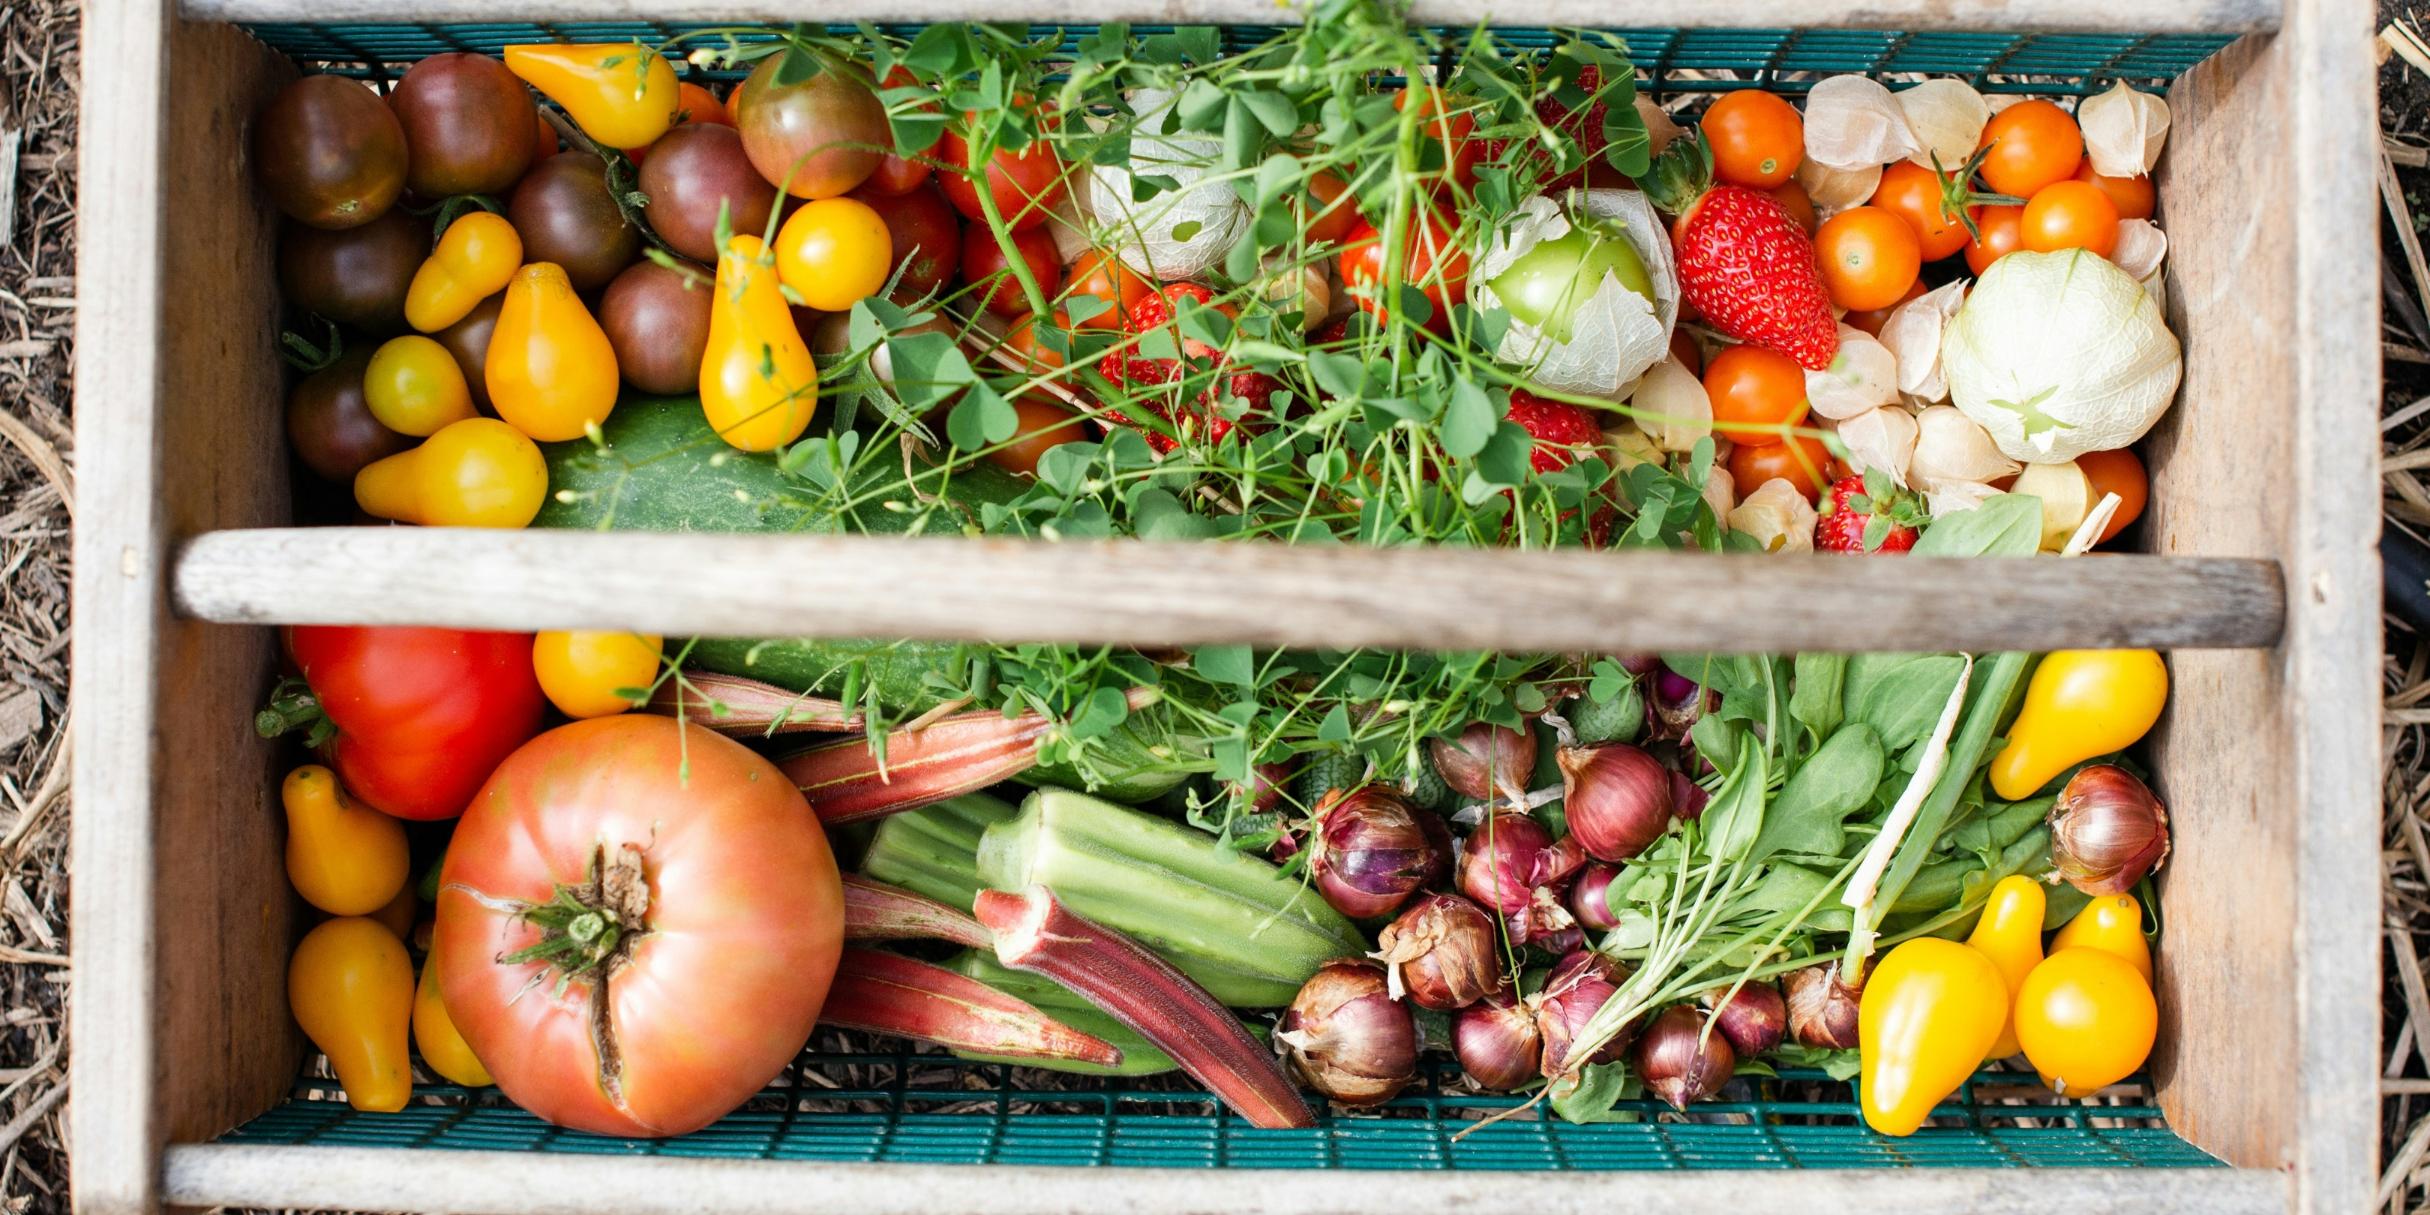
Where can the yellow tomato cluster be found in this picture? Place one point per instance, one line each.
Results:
(1934, 1011)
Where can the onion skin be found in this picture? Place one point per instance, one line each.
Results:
(1486, 761)
(1590, 901)
(2107, 831)
(1687, 797)
(1679, 1061)
(1678, 703)
(1497, 1043)
(1617, 798)
(1754, 1019)
(1441, 952)
(1822, 1010)
(1266, 784)
(1346, 1037)
(1506, 858)
(1579, 985)
(1372, 849)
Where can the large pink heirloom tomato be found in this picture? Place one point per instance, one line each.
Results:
(637, 924)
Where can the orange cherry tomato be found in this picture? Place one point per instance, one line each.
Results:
(1799, 204)
(1871, 320)
(1754, 386)
(2117, 472)
(1431, 261)
(1757, 139)
(1803, 462)
(2069, 215)
(1104, 275)
(2131, 195)
(2032, 144)
(1999, 232)
(1869, 257)
(1043, 426)
(1922, 198)
(1449, 122)
(1332, 209)
(1023, 339)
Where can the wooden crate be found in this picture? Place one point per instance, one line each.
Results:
(2263, 579)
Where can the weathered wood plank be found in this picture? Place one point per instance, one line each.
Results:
(1149, 594)
(535, 1183)
(2121, 16)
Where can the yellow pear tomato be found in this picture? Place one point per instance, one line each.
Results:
(2086, 1020)
(2111, 923)
(2080, 704)
(414, 386)
(582, 672)
(758, 383)
(834, 253)
(1930, 1011)
(479, 472)
(344, 858)
(350, 986)
(2010, 934)
(475, 257)
(551, 370)
(622, 94)
(434, 1033)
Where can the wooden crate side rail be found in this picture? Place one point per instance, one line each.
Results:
(1130, 592)
(531, 1183)
(2091, 16)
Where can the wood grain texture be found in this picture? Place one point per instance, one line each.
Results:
(2123, 16)
(1128, 592)
(552, 1184)
(179, 1026)
(2272, 943)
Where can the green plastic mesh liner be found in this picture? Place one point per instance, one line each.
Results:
(932, 1109)
(1782, 59)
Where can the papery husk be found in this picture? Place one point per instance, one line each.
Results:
(2124, 130)
(1673, 408)
(1863, 375)
(1834, 190)
(1881, 438)
(1777, 516)
(1946, 116)
(1141, 232)
(1852, 121)
(1069, 228)
(1660, 130)
(1913, 336)
(1305, 289)
(2141, 248)
(1615, 335)
(1950, 497)
(1627, 446)
(1953, 449)
(2060, 354)
(1720, 493)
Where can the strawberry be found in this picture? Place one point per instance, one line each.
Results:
(1583, 125)
(1868, 514)
(1562, 431)
(1125, 366)
(1744, 263)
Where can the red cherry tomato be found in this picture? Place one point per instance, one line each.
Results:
(1024, 185)
(895, 174)
(1754, 386)
(422, 715)
(1331, 209)
(1430, 261)
(927, 238)
(1869, 257)
(723, 922)
(984, 268)
(1449, 123)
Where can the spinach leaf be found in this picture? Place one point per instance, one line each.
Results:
(2006, 525)
(1814, 700)
(1807, 816)
(1735, 817)
(1903, 702)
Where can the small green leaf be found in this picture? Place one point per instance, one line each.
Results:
(1104, 709)
(1232, 664)
(1273, 111)
(1335, 728)
(1469, 421)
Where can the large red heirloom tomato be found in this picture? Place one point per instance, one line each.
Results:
(637, 924)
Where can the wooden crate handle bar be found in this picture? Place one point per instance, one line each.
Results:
(2060, 16)
(1137, 593)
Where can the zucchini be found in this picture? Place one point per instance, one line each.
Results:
(1246, 931)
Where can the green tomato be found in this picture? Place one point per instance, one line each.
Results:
(1548, 283)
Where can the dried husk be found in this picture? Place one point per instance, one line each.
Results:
(1305, 290)
(1881, 438)
(1628, 447)
(1946, 116)
(1615, 335)
(1913, 336)
(1834, 190)
(2141, 248)
(1778, 517)
(1863, 375)
(1950, 497)
(1659, 129)
(1720, 493)
(1069, 228)
(1853, 121)
(2059, 354)
(1952, 449)
(2124, 130)
(1672, 406)
(1141, 233)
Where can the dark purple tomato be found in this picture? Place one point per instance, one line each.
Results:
(354, 276)
(818, 138)
(468, 340)
(330, 425)
(469, 125)
(692, 170)
(565, 214)
(926, 232)
(658, 326)
(330, 154)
